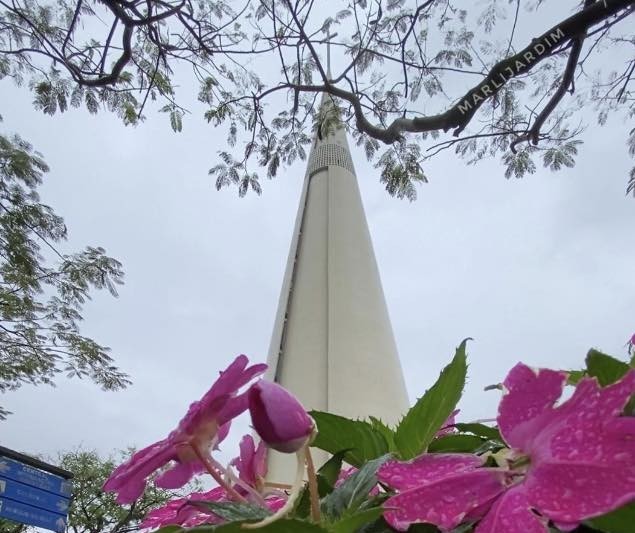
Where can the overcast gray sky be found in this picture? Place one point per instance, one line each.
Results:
(538, 269)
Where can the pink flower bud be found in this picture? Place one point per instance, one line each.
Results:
(278, 417)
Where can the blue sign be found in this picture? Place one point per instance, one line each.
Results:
(25, 514)
(11, 469)
(32, 496)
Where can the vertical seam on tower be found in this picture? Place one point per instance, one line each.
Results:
(283, 333)
(328, 288)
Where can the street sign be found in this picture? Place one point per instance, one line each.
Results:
(33, 516)
(23, 473)
(31, 496)
(33, 492)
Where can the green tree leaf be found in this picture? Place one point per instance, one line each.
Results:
(456, 444)
(386, 431)
(41, 49)
(336, 433)
(41, 297)
(605, 368)
(418, 427)
(619, 521)
(279, 526)
(330, 470)
(574, 376)
(479, 429)
(352, 523)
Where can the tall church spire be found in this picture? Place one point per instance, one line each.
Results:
(332, 343)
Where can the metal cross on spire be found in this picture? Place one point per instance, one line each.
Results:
(328, 53)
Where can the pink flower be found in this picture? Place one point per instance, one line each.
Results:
(252, 462)
(203, 427)
(278, 417)
(181, 512)
(252, 468)
(567, 463)
(438, 488)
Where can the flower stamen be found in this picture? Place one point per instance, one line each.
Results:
(217, 477)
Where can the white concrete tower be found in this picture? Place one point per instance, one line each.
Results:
(332, 342)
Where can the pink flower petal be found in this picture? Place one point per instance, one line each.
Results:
(252, 462)
(275, 502)
(149, 454)
(584, 438)
(529, 394)
(446, 502)
(129, 479)
(179, 475)
(223, 431)
(511, 513)
(604, 402)
(131, 491)
(232, 407)
(244, 464)
(163, 516)
(426, 469)
(260, 460)
(583, 460)
(180, 512)
(564, 526)
(235, 376)
(571, 493)
(221, 398)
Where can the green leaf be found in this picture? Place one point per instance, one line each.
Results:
(176, 122)
(619, 521)
(605, 368)
(302, 507)
(575, 376)
(417, 429)
(489, 446)
(423, 528)
(354, 491)
(169, 529)
(327, 476)
(130, 115)
(386, 431)
(456, 444)
(279, 526)
(352, 523)
(336, 433)
(479, 429)
(380, 526)
(233, 511)
(330, 470)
